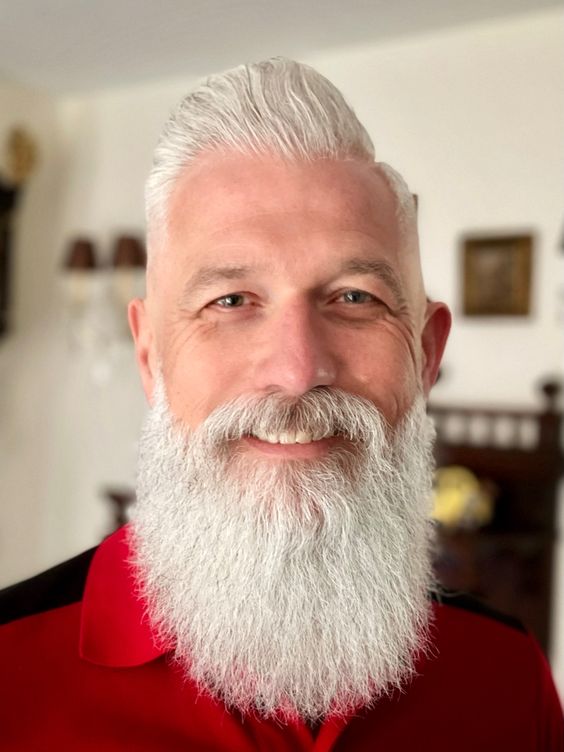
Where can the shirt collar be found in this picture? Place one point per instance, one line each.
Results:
(114, 629)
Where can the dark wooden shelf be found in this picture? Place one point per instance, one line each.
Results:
(509, 563)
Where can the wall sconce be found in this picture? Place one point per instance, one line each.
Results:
(96, 296)
(128, 274)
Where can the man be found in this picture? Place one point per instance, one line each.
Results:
(273, 589)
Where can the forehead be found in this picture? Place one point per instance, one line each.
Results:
(226, 194)
(304, 218)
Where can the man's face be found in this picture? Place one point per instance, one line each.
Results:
(290, 287)
(282, 277)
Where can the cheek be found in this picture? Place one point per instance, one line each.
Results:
(200, 373)
(383, 368)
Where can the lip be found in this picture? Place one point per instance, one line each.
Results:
(292, 451)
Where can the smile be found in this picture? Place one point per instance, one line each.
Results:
(291, 445)
(290, 437)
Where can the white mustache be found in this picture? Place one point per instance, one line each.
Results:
(320, 413)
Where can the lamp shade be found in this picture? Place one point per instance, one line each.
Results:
(81, 255)
(129, 252)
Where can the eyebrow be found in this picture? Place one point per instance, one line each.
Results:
(209, 275)
(379, 269)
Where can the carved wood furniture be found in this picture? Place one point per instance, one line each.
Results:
(508, 563)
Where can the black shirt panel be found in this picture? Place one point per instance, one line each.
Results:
(475, 606)
(59, 586)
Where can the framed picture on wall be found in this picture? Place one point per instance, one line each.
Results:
(496, 275)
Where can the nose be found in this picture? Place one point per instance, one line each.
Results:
(297, 354)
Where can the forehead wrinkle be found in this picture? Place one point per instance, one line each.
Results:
(379, 269)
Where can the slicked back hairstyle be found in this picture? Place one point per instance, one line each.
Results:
(275, 106)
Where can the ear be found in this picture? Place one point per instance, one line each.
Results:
(433, 342)
(143, 337)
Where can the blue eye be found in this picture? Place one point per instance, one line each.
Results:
(357, 296)
(234, 300)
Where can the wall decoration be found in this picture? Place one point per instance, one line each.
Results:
(8, 197)
(20, 158)
(497, 274)
(96, 292)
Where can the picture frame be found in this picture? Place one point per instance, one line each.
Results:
(497, 272)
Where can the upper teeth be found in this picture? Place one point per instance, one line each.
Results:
(288, 437)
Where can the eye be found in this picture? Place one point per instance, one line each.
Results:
(233, 300)
(357, 297)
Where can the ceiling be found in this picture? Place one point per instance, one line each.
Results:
(68, 46)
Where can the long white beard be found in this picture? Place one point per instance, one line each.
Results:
(288, 587)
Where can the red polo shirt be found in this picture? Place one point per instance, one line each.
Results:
(80, 671)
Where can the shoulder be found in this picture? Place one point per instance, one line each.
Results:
(490, 663)
(466, 607)
(468, 630)
(59, 586)
(478, 642)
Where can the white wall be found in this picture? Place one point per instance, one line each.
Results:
(473, 118)
(26, 385)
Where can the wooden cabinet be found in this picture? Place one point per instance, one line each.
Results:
(508, 563)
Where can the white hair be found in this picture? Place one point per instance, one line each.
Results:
(288, 588)
(274, 106)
